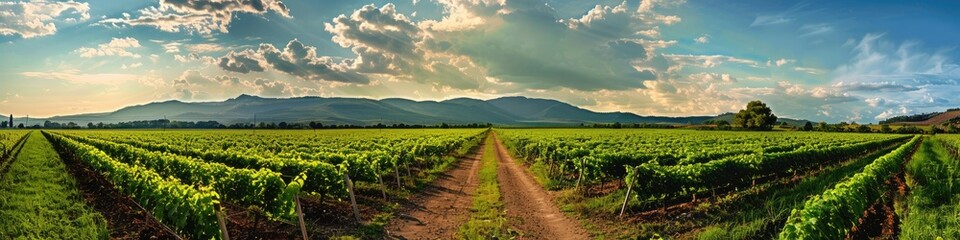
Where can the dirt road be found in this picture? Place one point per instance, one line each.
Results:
(530, 208)
(439, 210)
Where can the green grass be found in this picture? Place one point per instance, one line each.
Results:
(40, 200)
(488, 220)
(933, 176)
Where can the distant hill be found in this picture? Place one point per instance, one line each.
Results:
(509, 111)
(926, 119)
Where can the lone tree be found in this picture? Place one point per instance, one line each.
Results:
(757, 116)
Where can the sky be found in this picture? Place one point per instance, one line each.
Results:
(853, 61)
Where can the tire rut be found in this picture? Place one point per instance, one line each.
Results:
(440, 208)
(530, 208)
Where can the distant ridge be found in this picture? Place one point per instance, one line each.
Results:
(509, 111)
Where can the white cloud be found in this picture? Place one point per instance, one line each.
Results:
(37, 18)
(116, 47)
(295, 59)
(811, 71)
(197, 16)
(76, 77)
(708, 61)
(815, 29)
(783, 61)
(702, 39)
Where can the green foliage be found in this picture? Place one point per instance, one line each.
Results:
(672, 163)
(757, 116)
(261, 188)
(189, 210)
(831, 214)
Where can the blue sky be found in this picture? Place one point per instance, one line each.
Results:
(831, 61)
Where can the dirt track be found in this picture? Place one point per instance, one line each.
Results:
(530, 208)
(439, 210)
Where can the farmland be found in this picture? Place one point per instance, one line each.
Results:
(532, 183)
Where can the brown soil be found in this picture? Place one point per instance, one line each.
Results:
(441, 207)
(530, 208)
(126, 218)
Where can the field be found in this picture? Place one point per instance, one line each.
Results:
(479, 184)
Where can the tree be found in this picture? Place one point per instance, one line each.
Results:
(757, 116)
(886, 129)
(864, 129)
(808, 126)
(823, 127)
(20, 126)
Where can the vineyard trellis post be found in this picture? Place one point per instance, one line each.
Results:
(625, 199)
(303, 227)
(353, 200)
(223, 224)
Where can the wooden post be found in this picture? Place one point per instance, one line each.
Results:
(625, 199)
(383, 188)
(396, 173)
(353, 200)
(303, 227)
(223, 224)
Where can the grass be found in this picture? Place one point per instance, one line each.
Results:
(41, 201)
(933, 176)
(488, 220)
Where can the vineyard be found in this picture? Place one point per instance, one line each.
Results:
(187, 179)
(618, 183)
(741, 185)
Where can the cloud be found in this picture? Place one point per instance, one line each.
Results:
(76, 77)
(875, 102)
(876, 60)
(269, 88)
(811, 71)
(116, 47)
(875, 87)
(808, 30)
(295, 59)
(197, 16)
(702, 39)
(786, 16)
(906, 73)
(708, 61)
(783, 61)
(37, 18)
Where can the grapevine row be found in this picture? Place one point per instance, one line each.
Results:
(189, 210)
(262, 188)
(831, 214)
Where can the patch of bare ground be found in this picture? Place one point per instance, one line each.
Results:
(530, 208)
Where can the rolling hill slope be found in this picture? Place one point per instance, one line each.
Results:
(510, 111)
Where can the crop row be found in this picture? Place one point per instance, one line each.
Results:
(831, 214)
(190, 210)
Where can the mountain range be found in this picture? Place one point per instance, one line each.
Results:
(504, 111)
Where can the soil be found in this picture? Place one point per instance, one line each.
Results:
(126, 218)
(881, 221)
(530, 208)
(441, 207)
